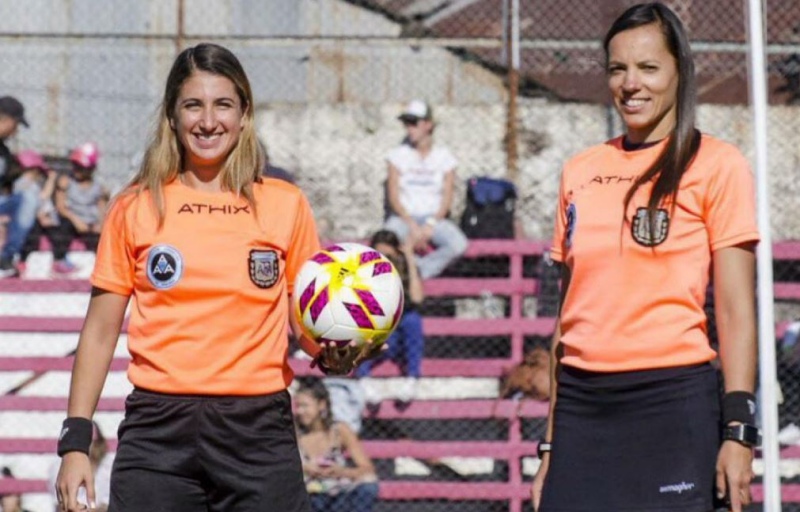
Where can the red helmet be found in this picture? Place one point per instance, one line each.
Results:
(85, 155)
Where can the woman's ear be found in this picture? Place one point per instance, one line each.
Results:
(172, 122)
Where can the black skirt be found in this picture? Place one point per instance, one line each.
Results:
(634, 441)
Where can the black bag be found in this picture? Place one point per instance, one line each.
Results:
(489, 210)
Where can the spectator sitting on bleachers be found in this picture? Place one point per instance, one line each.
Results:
(419, 190)
(27, 195)
(35, 185)
(14, 223)
(406, 345)
(81, 202)
(102, 461)
(10, 502)
(339, 475)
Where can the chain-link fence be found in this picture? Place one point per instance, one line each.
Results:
(330, 78)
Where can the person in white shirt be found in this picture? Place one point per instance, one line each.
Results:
(420, 193)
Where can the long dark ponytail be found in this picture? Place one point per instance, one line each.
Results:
(684, 140)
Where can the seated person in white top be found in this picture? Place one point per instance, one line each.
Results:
(420, 192)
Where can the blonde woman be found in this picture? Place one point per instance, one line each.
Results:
(208, 250)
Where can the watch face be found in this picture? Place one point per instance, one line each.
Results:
(745, 434)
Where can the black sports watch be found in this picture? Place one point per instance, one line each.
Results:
(542, 448)
(743, 433)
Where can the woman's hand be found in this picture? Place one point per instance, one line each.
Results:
(538, 481)
(734, 473)
(75, 472)
(340, 360)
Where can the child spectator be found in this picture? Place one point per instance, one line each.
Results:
(339, 476)
(406, 345)
(27, 195)
(35, 185)
(81, 202)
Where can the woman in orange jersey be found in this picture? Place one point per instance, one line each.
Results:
(637, 421)
(209, 251)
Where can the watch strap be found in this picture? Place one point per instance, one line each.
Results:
(543, 447)
(743, 433)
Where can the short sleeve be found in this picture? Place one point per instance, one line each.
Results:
(558, 249)
(449, 161)
(115, 263)
(730, 203)
(304, 242)
(395, 157)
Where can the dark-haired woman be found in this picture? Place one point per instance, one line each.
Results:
(339, 475)
(636, 420)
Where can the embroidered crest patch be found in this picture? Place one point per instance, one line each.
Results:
(264, 268)
(164, 266)
(640, 227)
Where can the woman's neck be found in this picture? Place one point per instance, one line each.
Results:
(424, 146)
(205, 180)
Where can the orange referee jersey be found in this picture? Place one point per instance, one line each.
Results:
(210, 289)
(636, 301)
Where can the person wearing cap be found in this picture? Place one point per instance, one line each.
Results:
(32, 190)
(35, 185)
(81, 202)
(12, 114)
(420, 193)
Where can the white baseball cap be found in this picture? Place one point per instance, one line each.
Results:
(416, 109)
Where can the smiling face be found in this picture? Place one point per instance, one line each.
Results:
(208, 119)
(643, 80)
(308, 410)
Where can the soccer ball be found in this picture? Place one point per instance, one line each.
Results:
(348, 292)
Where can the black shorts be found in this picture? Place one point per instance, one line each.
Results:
(181, 453)
(635, 441)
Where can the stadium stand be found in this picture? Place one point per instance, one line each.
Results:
(456, 446)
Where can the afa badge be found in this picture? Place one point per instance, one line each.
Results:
(640, 227)
(164, 266)
(264, 268)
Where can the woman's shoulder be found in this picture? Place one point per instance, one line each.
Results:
(399, 152)
(713, 146)
(342, 430)
(603, 150)
(270, 188)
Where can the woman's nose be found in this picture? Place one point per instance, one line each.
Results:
(208, 119)
(631, 82)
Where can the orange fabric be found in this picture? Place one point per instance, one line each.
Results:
(217, 323)
(633, 307)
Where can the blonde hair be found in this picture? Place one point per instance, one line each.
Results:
(164, 158)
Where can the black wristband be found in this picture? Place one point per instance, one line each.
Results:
(75, 436)
(739, 406)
